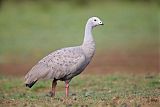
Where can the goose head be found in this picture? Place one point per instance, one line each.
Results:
(94, 21)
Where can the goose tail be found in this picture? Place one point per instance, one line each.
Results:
(30, 84)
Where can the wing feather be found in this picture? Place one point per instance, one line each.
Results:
(64, 63)
(40, 70)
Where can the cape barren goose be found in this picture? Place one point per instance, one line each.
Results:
(65, 63)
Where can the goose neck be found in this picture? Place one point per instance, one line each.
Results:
(88, 34)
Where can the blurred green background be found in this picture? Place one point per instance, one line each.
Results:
(30, 29)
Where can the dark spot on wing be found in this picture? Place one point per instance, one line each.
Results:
(66, 64)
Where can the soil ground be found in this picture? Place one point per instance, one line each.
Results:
(102, 63)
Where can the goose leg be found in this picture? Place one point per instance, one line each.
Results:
(67, 88)
(54, 83)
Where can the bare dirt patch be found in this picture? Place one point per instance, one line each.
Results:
(102, 63)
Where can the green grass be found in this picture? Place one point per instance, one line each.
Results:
(85, 90)
(31, 29)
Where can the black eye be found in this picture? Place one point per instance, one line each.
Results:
(95, 20)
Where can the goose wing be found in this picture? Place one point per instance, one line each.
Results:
(61, 64)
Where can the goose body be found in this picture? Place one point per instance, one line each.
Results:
(65, 63)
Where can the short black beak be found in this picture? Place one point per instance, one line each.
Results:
(102, 24)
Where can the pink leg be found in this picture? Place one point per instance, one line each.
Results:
(54, 83)
(67, 88)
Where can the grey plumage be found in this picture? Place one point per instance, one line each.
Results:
(65, 63)
(62, 64)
